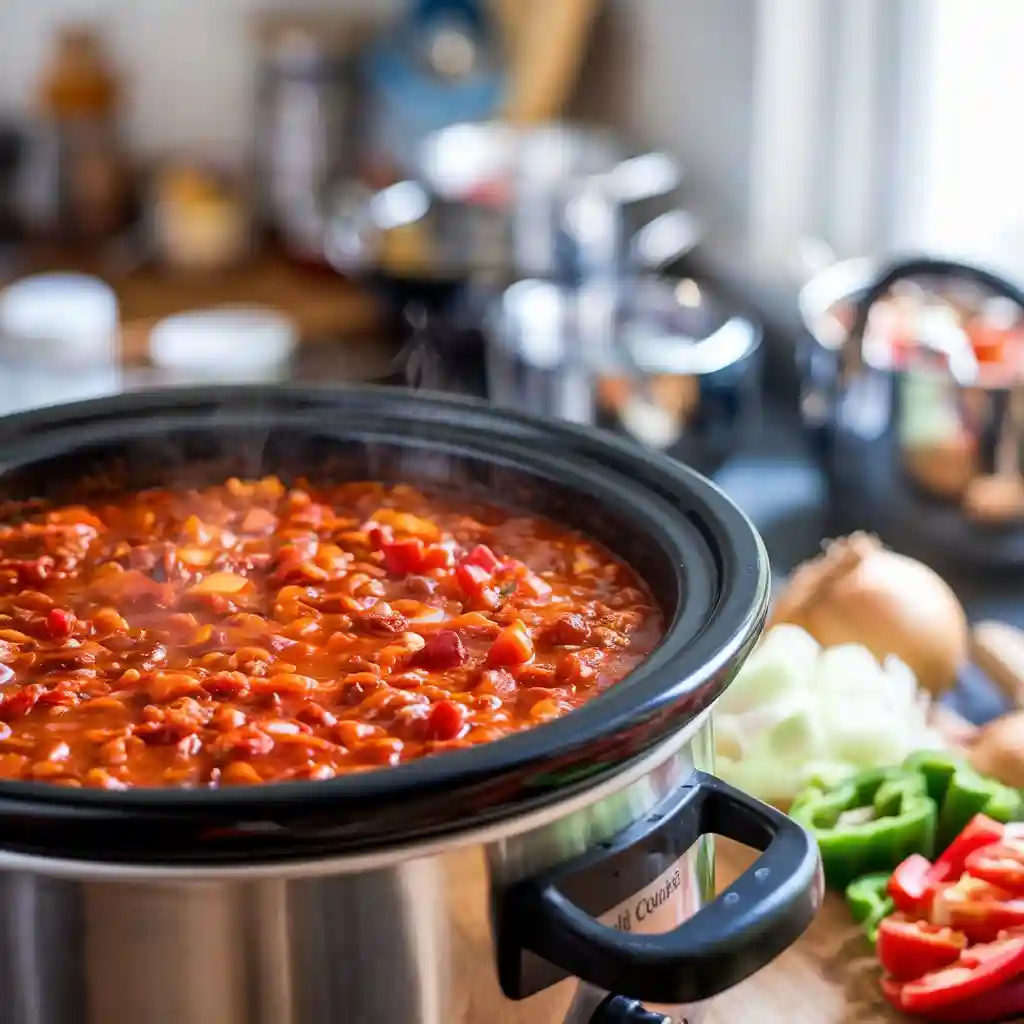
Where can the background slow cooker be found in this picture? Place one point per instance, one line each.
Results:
(461, 888)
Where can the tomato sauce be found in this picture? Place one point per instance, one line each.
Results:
(248, 633)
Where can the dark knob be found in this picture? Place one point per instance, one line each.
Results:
(620, 1010)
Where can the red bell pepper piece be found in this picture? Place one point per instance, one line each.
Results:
(999, 1004)
(999, 864)
(910, 949)
(979, 969)
(909, 884)
(978, 909)
(980, 831)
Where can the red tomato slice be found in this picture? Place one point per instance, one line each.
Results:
(979, 969)
(1000, 864)
(910, 949)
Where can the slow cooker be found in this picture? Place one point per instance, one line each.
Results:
(564, 873)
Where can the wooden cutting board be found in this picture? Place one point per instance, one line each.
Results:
(829, 977)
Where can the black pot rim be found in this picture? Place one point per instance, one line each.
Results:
(672, 687)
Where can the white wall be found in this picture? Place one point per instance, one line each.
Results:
(188, 63)
(679, 74)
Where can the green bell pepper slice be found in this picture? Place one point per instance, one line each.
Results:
(869, 823)
(869, 902)
(960, 793)
(937, 768)
(969, 794)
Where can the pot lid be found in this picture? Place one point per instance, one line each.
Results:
(653, 324)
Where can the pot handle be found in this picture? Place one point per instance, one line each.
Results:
(923, 266)
(760, 915)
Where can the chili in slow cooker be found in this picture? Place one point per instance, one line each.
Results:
(247, 633)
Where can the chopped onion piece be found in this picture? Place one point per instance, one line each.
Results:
(796, 712)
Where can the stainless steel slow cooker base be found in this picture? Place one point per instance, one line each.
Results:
(404, 934)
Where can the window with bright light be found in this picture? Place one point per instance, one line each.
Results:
(969, 195)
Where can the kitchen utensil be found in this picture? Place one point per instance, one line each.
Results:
(917, 421)
(58, 340)
(230, 344)
(460, 888)
(547, 46)
(654, 357)
(440, 65)
(304, 129)
(494, 203)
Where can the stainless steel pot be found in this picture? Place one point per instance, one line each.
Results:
(654, 357)
(515, 882)
(493, 203)
(922, 440)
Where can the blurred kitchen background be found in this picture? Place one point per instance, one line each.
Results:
(663, 217)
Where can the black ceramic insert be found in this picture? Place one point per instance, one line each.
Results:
(701, 556)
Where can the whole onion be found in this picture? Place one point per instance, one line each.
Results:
(860, 592)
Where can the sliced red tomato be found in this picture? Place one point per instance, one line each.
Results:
(1000, 864)
(909, 949)
(978, 909)
(909, 883)
(980, 831)
(980, 969)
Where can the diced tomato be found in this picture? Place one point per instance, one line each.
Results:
(402, 557)
(978, 909)
(979, 969)
(59, 623)
(483, 557)
(379, 535)
(978, 832)
(442, 651)
(909, 883)
(437, 557)
(908, 949)
(532, 586)
(445, 721)
(1000, 864)
(513, 646)
(475, 582)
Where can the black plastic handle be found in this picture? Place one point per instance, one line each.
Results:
(926, 266)
(741, 931)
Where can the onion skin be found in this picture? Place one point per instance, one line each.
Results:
(860, 592)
